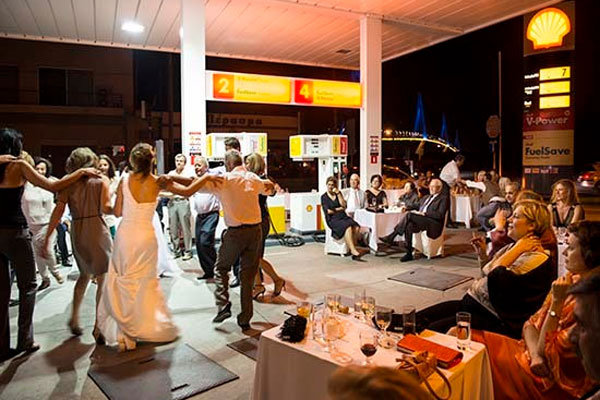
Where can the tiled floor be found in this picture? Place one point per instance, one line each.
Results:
(59, 369)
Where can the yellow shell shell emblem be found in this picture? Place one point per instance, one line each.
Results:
(309, 208)
(548, 27)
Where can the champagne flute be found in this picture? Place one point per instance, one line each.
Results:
(332, 301)
(368, 308)
(368, 345)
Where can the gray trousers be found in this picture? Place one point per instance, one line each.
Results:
(16, 249)
(180, 217)
(242, 242)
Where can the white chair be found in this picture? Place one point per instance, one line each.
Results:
(334, 246)
(428, 246)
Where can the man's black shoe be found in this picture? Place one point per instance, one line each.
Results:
(235, 282)
(407, 257)
(245, 327)
(223, 314)
(204, 277)
(389, 239)
(10, 354)
(13, 302)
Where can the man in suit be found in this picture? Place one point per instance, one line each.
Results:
(354, 195)
(430, 218)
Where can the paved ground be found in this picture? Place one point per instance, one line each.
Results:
(59, 369)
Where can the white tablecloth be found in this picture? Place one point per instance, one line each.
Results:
(300, 371)
(380, 224)
(464, 208)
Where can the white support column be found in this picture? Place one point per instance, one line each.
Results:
(370, 113)
(193, 71)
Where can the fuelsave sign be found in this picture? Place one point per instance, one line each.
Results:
(548, 138)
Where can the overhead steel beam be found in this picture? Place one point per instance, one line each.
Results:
(385, 18)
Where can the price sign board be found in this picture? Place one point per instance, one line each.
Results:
(254, 88)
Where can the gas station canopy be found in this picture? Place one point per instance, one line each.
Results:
(315, 32)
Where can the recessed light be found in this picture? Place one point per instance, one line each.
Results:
(133, 27)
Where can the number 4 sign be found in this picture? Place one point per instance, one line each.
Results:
(303, 91)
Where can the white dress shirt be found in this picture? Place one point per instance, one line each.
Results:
(450, 173)
(428, 203)
(205, 203)
(355, 199)
(186, 174)
(37, 204)
(481, 186)
(238, 195)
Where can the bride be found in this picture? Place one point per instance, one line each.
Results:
(133, 307)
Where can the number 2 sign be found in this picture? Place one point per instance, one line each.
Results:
(223, 86)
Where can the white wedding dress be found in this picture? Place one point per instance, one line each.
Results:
(133, 307)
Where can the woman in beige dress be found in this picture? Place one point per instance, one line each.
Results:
(88, 200)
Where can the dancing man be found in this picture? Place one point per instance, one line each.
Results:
(238, 191)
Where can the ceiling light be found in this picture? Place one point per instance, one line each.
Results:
(133, 27)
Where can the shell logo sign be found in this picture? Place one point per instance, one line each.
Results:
(548, 27)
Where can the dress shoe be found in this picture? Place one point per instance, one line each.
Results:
(245, 327)
(257, 292)
(389, 239)
(407, 257)
(66, 263)
(205, 277)
(279, 286)
(187, 256)
(58, 277)
(28, 349)
(44, 285)
(223, 314)
(7, 356)
(235, 283)
(357, 258)
(13, 302)
(75, 329)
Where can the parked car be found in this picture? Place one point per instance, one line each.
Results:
(588, 182)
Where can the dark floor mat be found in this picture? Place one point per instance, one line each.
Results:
(431, 279)
(247, 346)
(171, 374)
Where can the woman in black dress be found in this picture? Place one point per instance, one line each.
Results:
(341, 225)
(375, 197)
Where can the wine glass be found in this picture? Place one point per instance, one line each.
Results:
(368, 308)
(383, 319)
(368, 345)
(332, 301)
(304, 309)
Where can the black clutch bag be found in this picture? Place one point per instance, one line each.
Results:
(293, 329)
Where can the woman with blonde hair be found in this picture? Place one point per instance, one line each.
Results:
(133, 307)
(88, 200)
(374, 383)
(255, 163)
(513, 284)
(564, 205)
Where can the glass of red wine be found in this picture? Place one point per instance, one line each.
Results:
(368, 345)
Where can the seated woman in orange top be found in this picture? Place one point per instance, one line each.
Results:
(543, 365)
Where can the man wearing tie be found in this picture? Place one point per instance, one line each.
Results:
(430, 218)
(354, 196)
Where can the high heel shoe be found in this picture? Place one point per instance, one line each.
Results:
(75, 329)
(258, 292)
(125, 343)
(279, 286)
(98, 336)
